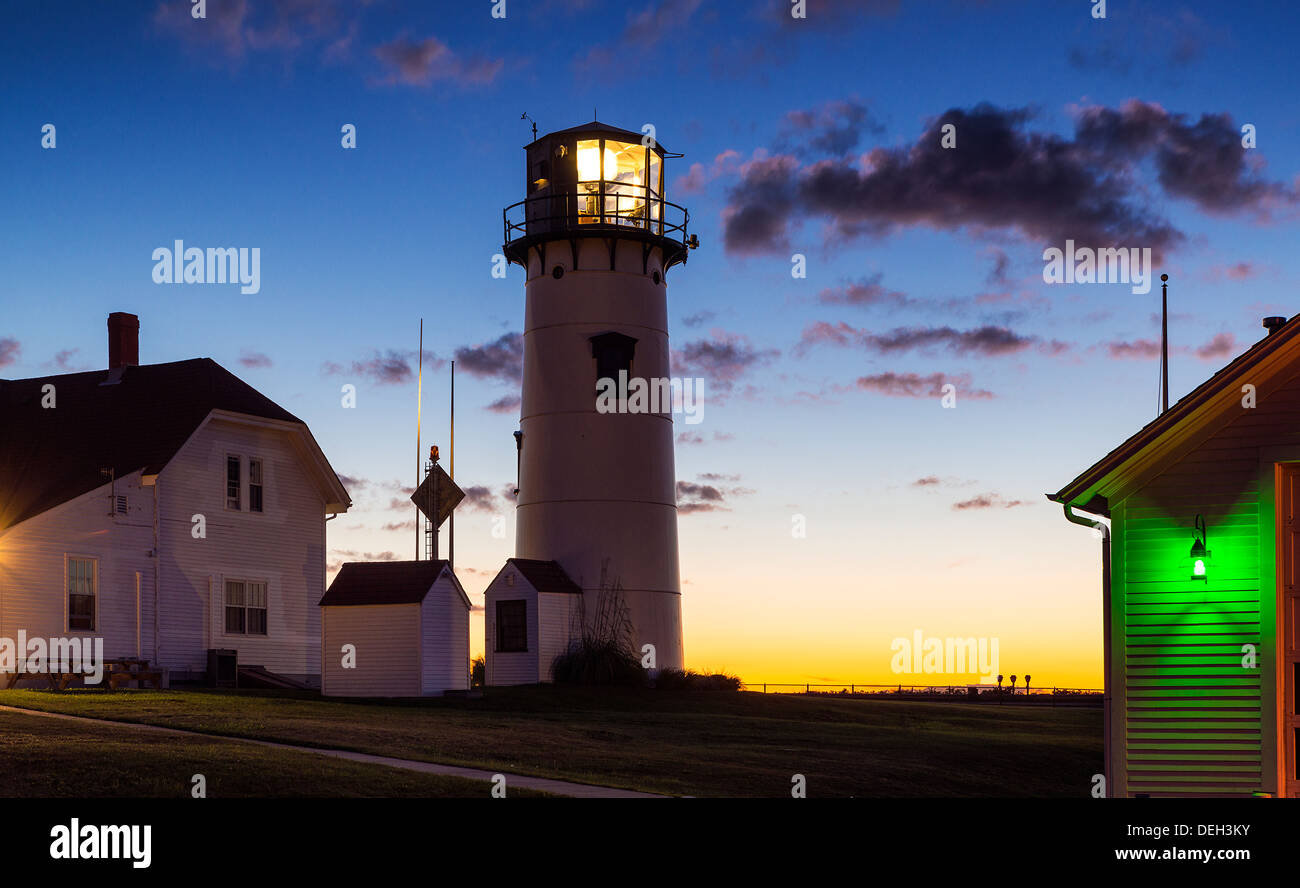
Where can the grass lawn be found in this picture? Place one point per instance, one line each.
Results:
(703, 744)
(51, 758)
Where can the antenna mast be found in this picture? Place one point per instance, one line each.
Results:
(1164, 344)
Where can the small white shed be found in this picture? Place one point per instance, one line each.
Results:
(532, 611)
(394, 629)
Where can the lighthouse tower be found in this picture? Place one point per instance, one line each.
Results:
(597, 490)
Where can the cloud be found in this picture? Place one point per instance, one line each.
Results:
(927, 481)
(867, 291)
(10, 349)
(644, 30)
(505, 404)
(1137, 349)
(700, 317)
(698, 176)
(693, 496)
(831, 14)
(254, 359)
(406, 526)
(421, 62)
(1219, 346)
(1202, 161)
(502, 359)
(833, 128)
(478, 498)
(389, 367)
(62, 360)
(1236, 271)
(234, 27)
(988, 501)
(1005, 177)
(915, 385)
(693, 438)
(354, 482)
(722, 359)
(984, 341)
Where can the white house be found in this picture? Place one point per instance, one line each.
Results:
(532, 612)
(394, 629)
(170, 509)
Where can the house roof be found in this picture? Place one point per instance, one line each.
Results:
(361, 583)
(129, 419)
(545, 576)
(1195, 415)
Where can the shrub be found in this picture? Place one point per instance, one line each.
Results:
(596, 662)
(690, 680)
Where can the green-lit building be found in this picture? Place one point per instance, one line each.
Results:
(1199, 583)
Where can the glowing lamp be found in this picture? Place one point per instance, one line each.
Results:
(1199, 555)
(589, 164)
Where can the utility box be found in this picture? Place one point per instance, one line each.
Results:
(223, 668)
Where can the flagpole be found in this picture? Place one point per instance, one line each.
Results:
(419, 403)
(451, 519)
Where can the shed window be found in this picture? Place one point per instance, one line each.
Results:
(512, 626)
(81, 594)
(245, 608)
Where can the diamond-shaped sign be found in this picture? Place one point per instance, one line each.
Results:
(449, 496)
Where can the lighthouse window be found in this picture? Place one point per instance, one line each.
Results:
(613, 353)
(612, 182)
(512, 626)
(625, 186)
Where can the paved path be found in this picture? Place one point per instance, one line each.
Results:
(521, 781)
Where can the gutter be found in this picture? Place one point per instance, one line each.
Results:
(1106, 639)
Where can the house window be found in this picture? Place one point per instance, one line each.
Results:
(245, 608)
(613, 353)
(81, 594)
(512, 626)
(232, 482)
(254, 485)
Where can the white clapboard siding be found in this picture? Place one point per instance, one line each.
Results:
(283, 546)
(33, 584)
(1193, 722)
(515, 667)
(444, 637)
(387, 640)
(557, 618)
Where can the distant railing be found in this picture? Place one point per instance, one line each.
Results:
(574, 212)
(981, 692)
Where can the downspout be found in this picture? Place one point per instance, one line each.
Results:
(157, 568)
(1105, 623)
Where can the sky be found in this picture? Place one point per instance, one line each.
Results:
(813, 144)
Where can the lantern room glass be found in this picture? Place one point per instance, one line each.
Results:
(619, 183)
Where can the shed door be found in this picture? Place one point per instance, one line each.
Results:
(1289, 624)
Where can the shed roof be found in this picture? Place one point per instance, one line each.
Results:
(360, 583)
(128, 419)
(546, 576)
(1194, 417)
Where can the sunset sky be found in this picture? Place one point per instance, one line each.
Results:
(819, 137)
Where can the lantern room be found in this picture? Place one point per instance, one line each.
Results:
(596, 180)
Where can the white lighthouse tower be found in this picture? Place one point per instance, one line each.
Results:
(597, 490)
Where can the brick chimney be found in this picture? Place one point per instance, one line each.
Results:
(123, 340)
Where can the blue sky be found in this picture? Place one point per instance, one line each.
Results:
(226, 131)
